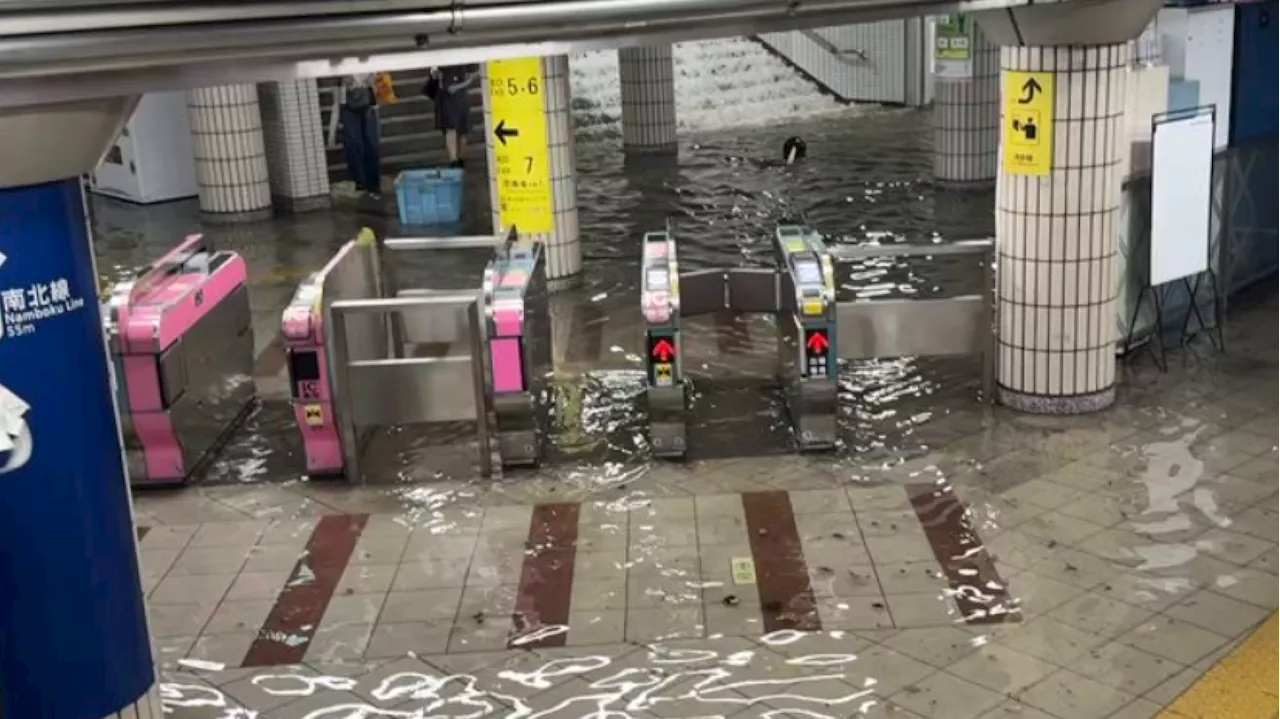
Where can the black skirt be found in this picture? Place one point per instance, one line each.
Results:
(453, 111)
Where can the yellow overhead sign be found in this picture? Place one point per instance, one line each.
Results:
(520, 144)
(1028, 123)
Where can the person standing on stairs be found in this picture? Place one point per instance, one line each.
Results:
(450, 89)
(361, 133)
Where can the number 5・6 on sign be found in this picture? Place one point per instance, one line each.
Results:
(520, 144)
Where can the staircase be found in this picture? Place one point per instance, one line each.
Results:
(715, 80)
(410, 139)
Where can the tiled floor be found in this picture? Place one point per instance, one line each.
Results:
(1021, 567)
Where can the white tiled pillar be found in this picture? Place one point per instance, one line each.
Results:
(231, 163)
(564, 252)
(966, 118)
(1058, 240)
(294, 141)
(648, 98)
(1146, 48)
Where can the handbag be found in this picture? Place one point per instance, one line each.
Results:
(431, 88)
(384, 88)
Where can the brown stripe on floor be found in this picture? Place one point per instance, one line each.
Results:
(272, 359)
(980, 593)
(142, 532)
(292, 623)
(546, 578)
(782, 577)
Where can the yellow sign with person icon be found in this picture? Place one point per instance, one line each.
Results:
(1027, 135)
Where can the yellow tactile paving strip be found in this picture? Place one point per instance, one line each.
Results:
(1241, 686)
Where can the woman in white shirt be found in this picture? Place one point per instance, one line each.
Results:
(361, 133)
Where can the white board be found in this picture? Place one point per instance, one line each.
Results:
(1181, 177)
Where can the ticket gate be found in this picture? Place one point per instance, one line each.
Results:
(800, 292)
(181, 343)
(815, 331)
(365, 352)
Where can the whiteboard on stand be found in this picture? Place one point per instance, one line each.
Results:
(1181, 183)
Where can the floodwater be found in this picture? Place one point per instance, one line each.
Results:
(866, 180)
(990, 564)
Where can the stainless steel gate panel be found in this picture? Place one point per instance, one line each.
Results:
(381, 390)
(702, 292)
(410, 391)
(894, 328)
(753, 289)
(422, 328)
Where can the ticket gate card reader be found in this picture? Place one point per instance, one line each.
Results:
(181, 345)
(519, 349)
(660, 306)
(808, 361)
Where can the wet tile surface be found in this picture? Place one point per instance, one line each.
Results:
(1127, 550)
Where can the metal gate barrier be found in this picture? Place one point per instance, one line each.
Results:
(181, 346)
(814, 331)
(367, 353)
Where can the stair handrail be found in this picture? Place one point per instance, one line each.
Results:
(839, 53)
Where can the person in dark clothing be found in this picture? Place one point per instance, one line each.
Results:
(794, 149)
(361, 133)
(451, 85)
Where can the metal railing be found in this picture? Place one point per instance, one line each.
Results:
(964, 324)
(398, 390)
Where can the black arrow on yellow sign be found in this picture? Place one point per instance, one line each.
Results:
(1029, 90)
(502, 132)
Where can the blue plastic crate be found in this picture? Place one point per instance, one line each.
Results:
(429, 197)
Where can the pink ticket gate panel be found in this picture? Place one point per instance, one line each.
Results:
(519, 348)
(303, 326)
(182, 349)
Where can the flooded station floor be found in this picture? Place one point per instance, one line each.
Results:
(1075, 568)
(951, 561)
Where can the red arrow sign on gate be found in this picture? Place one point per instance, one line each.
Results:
(817, 342)
(663, 350)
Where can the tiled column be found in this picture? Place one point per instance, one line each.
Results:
(648, 98)
(1146, 48)
(966, 118)
(294, 141)
(231, 163)
(1058, 239)
(564, 252)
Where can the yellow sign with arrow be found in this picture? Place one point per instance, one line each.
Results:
(1028, 123)
(516, 98)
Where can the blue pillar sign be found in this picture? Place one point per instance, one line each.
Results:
(73, 631)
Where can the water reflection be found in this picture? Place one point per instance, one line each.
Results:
(779, 677)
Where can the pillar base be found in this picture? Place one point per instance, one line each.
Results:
(967, 186)
(298, 205)
(561, 284)
(1073, 404)
(666, 149)
(237, 218)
